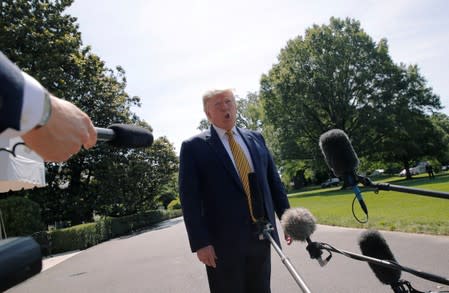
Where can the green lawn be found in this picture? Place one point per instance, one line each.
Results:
(388, 210)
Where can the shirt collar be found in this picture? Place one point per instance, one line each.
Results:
(222, 133)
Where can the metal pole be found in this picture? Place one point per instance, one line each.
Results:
(389, 264)
(386, 186)
(285, 260)
(431, 193)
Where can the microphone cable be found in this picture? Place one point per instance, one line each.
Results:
(354, 215)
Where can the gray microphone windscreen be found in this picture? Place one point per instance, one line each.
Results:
(298, 223)
(338, 152)
(374, 245)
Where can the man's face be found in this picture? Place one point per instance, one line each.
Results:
(221, 110)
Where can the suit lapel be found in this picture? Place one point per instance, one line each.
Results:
(216, 144)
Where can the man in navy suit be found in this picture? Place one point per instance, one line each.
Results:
(218, 214)
(54, 128)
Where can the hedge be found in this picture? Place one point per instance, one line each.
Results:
(86, 235)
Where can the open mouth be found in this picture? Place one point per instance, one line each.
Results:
(227, 116)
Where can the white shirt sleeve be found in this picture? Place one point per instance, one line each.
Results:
(32, 108)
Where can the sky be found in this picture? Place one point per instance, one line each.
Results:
(175, 50)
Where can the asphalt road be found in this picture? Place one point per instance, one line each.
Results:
(159, 260)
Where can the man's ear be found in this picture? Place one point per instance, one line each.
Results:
(207, 114)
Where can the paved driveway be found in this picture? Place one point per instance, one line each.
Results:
(159, 260)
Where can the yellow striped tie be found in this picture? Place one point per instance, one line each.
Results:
(243, 168)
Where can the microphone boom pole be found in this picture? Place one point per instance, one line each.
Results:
(386, 263)
(285, 260)
(390, 187)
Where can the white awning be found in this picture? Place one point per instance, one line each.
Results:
(24, 171)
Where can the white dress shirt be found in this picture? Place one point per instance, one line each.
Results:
(225, 141)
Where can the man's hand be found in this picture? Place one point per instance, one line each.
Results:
(207, 256)
(288, 239)
(66, 131)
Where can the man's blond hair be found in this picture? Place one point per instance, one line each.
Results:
(215, 92)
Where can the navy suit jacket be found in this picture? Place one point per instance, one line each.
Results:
(213, 200)
(11, 91)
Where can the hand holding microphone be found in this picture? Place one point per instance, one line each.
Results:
(53, 128)
(51, 147)
(67, 129)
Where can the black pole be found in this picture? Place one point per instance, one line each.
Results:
(387, 263)
(388, 187)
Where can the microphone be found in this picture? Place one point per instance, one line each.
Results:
(257, 200)
(299, 224)
(125, 136)
(387, 270)
(342, 159)
(374, 245)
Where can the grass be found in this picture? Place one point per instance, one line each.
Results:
(388, 210)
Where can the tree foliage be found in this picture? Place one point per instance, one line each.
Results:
(441, 124)
(321, 82)
(20, 215)
(404, 130)
(338, 77)
(46, 43)
(148, 172)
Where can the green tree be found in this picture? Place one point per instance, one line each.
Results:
(326, 80)
(441, 122)
(46, 43)
(40, 40)
(338, 77)
(204, 124)
(404, 130)
(250, 112)
(136, 179)
(20, 215)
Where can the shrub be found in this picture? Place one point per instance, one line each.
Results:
(73, 238)
(86, 235)
(21, 216)
(174, 205)
(167, 198)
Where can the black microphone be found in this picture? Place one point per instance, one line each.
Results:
(387, 270)
(374, 245)
(342, 159)
(299, 224)
(257, 198)
(125, 136)
(20, 259)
